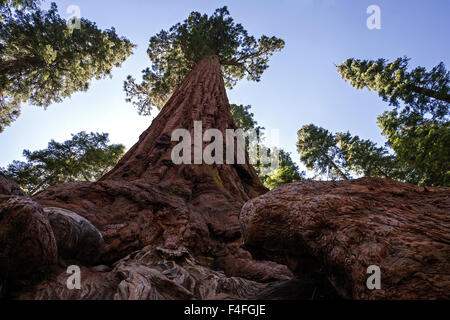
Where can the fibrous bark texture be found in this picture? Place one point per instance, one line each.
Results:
(77, 239)
(149, 274)
(339, 229)
(9, 187)
(27, 245)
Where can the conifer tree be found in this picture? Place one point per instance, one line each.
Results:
(417, 128)
(43, 61)
(175, 52)
(85, 157)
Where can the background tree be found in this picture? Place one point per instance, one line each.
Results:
(287, 171)
(42, 61)
(175, 52)
(417, 129)
(365, 158)
(86, 157)
(319, 151)
(421, 146)
(417, 89)
(243, 118)
(343, 154)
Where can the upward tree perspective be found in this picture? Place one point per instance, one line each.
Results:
(43, 61)
(243, 118)
(287, 172)
(175, 52)
(417, 89)
(175, 205)
(319, 152)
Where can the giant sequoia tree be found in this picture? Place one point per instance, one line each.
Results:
(417, 129)
(147, 199)
(175, 52)
(43, 61)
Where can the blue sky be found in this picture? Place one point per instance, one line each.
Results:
(301, 85)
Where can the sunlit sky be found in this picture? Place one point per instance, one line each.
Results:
(301, 85)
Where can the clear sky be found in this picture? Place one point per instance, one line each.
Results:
(301, 85)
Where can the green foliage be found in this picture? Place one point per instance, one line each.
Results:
(86, 157)
(42, 61)
(175, 52)
(242, 116)
(8, 6)
(421, 146)
(8, 113)
(18, 4)
(365, 158)
(287, 172)
(340, 155)
(319, 151)
(416, 91)
(417, 129)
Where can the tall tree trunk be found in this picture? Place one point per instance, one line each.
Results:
(331, 162)
(148, 200)
(200, 97)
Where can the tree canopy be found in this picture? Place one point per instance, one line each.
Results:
(8, 6)
(86, 157)
(417, 90)
(417, 129)
(175, 52)
(43, 61)
(365, 158)
(421, 145)
(243, 118)
(319, 152)
(343, 156)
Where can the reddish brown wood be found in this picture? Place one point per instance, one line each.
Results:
(147, 200)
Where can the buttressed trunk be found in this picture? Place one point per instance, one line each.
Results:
(200, 97)
(148, 200)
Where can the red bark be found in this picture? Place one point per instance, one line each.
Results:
(147, 200)
(340, 228)
(200, 97)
